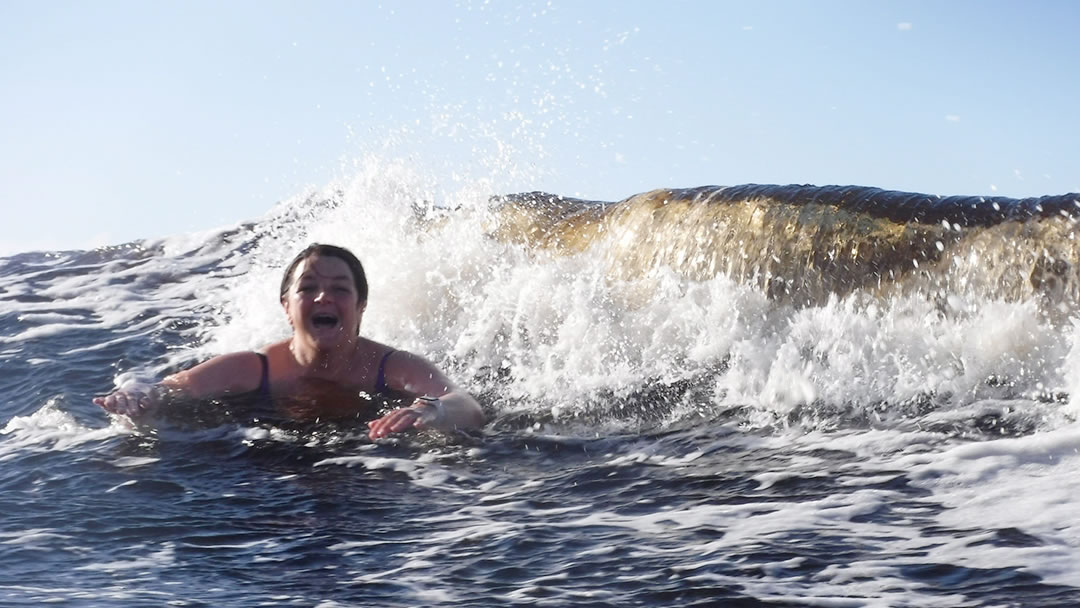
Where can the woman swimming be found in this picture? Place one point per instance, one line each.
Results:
(324, 293)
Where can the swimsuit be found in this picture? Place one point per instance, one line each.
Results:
(264, 382)
(380, 379)
(263, 392)
(267, 409)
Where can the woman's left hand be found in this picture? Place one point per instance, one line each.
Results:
(399, 420)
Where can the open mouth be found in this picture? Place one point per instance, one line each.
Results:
(324, 321)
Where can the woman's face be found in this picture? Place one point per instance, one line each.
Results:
(322, 303)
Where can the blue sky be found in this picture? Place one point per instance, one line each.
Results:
(122, 120)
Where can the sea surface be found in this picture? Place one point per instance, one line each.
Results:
(750, 396)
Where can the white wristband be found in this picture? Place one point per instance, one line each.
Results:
(433, 413)
(144, 389)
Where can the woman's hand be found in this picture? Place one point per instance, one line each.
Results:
(454, 410)
(424, 412)
(132, 400)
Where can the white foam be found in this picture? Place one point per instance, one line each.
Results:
(41, 331)
(161, 558)
(134, 461)
(421, 473)
(47, 317)
(30, 537)
(129, 482)
(49, 428)
(1026, 483)
(1023, 483)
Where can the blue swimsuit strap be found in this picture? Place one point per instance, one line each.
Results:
(264, 382)
(380, 379)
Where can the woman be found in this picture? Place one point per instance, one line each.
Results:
(321, 371)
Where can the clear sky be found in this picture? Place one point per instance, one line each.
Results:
(121, 120)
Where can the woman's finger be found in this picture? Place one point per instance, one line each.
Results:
(395, 422)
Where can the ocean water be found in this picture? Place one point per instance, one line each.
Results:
(755, 396)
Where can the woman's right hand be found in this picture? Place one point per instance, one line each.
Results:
(132, 400)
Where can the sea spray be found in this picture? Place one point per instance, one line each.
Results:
(550, 330)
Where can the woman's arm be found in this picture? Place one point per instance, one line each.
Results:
(442, 405)
(231, 373)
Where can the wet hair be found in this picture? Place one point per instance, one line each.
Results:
(329, 251)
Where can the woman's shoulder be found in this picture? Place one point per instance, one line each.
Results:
(388, 358)
(229, 362)
(273, 351)
(378, 363)
(401, 370)
(369, 349)
(228, 373)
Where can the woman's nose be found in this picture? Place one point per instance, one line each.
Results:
(322, 295)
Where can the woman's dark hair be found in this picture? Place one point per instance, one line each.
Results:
(331, 251)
